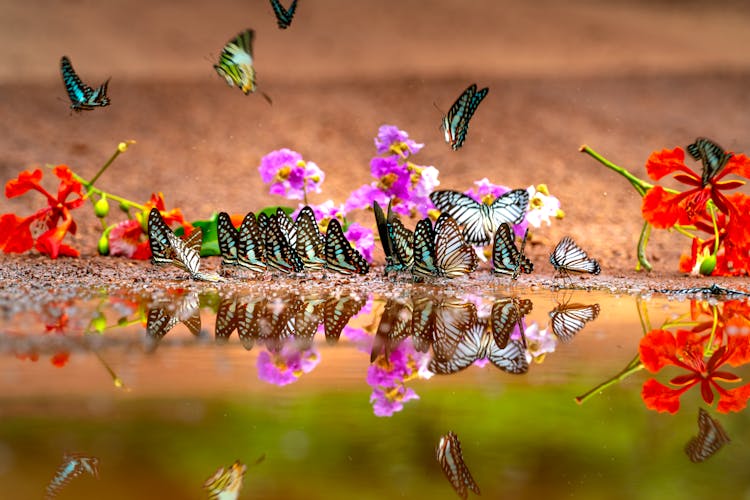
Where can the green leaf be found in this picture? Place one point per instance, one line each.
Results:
(210, 244)
(269, 211)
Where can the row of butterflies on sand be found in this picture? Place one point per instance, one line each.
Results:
(236, 66)
(279, 243)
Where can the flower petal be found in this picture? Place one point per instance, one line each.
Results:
(661, 398)
(733, 399)
(26, 180)
(657, 350)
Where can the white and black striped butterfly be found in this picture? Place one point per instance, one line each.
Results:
(451, 460)
(507, 314)
(168, 248)
(161, 318)
(310, 243)
(73, 465)
(567, 257)
(710, 439)
(341, 256)
(236, 63)
(478, 343)
(442, 251)
(455, 124)
(82, 97)
(279, 254)
(568, 319)
(506, 257)
(283, 16)
(251, 247)
(712, 157)
(480, 221)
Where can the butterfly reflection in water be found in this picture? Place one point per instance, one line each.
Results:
(226, 483)
(72, 466)
(567, 319)
(451, 460)
(161, 318)
(710, 439)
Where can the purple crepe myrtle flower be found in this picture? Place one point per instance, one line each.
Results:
(289, 175)
(392, 140)
(486, 192)
(287, 366)
(386, 402)
(362, 238)
(388, 377)
(324, 212)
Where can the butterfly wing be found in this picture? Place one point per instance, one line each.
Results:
(452, 462)
(710, 439)
(340, 255)
(568, 257)
(509, 207)
(506, 257)
(310, 243)
(506, 315)
(249, 314)
(402, 241)
(228, 238)
(82, 97)
(453, 257)
(279, 254)
(158, 239)
(452, 319)
(251, 251)
(236, 62)
(283, 16)
(425, 262)
(394, 328)
(510, 359)
(226, 483)
(568, 319)
(338, 312)
(385, 240)
(712, 157)
(465, 349)
(455, 124)
(226, 319)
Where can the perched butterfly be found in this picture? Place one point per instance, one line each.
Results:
(341, 256)
(712, 156)
(288, 229)
(402, 242)
(225, 484)
(337, 312)
(168, 248)
(394, 327)
(236, 63)
(228, 237)
(568, 257)
(283, 16)
(425, 264)
(480, 221)
(507, 314)
(447, 254)
(310, 242)
(711, 437)
(568, 319)
(72, 466)
(385, 239)
(82, 97)
(506, 258)
(251, 248)
(161, 319)
(279, 254)
(477, 343)
(452, 462)
(456, 123)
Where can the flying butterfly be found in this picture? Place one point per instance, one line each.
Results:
(310, 244)
(72, 466)
(480, 221)
(506, 257)
(567, 257)
(168, 248)
(451, 460)
(568, 319)
(341, 256)
(82, 97)
(225, 484)
(283, 16)
(710, 439)
(478, 343)
(251, 248)
(456, 123)
(507, 314)
(236, 63)
(711, 155)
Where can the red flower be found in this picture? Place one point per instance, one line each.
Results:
(663, 209)
(685, 349)
(16, 232)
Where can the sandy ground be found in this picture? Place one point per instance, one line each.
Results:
(626, 78)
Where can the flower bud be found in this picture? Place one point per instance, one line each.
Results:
(101, 207)
(708, 265)
(99, 323)
(103, 245)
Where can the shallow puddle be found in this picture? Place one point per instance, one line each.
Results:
(348, 396)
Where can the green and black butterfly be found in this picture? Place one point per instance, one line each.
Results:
(341, 256)
(283, 16)
(506, 257)
(456, 123)
(310, 243)
(712, 157)
(251, 250)
(236, 63)
(279, 254)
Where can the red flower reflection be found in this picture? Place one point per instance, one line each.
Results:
(16, 232)
(663, 209)
(685, 349)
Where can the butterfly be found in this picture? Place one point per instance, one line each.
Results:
(225, 484)
(452, 462)
(711, 437)
(425, 263)
(478, 343)
(226, 319)
(507, 314)
(451, 319)
(712, 156)
(72, 466)
(402, 241)
(310, 244)
(228, 237)
(288, 229)
(480, 221)
(568, 257)
(82, 97)
(279, 254)
(161, 319)
(251, 249)
(283, 16)
(423, 322)
(249, 313)
(506, 258)
(277, 321)
(340, 255)
(385, 239)
(236, 63)
(168, 248)
(394, 327)
(447, 254)
(307, 319)
(568, 319)
(337, 311)
(456, 123)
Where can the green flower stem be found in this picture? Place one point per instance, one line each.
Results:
(91, 189)
(632, 367)
(116, 380)
(710, 344)
(639, 184)
(121, 148)
(712, 211)
(643, 262)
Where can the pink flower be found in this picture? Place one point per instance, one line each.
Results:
(287, 366)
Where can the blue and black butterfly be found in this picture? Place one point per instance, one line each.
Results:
(283, 16)
(479, 220)
(82, 97)
(425, 264)
(456, 123)
(397, 241)
(385, 239)
(280, 255)
(711, 155)
(73, 465)
(451, 460)
(710, 439)
(251, 247)
(341, 256)
(310, 243)
(506, 257)
(228, 238)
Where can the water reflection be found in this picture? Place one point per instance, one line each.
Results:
(73, 465)
(451, 460)
(710, 439)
